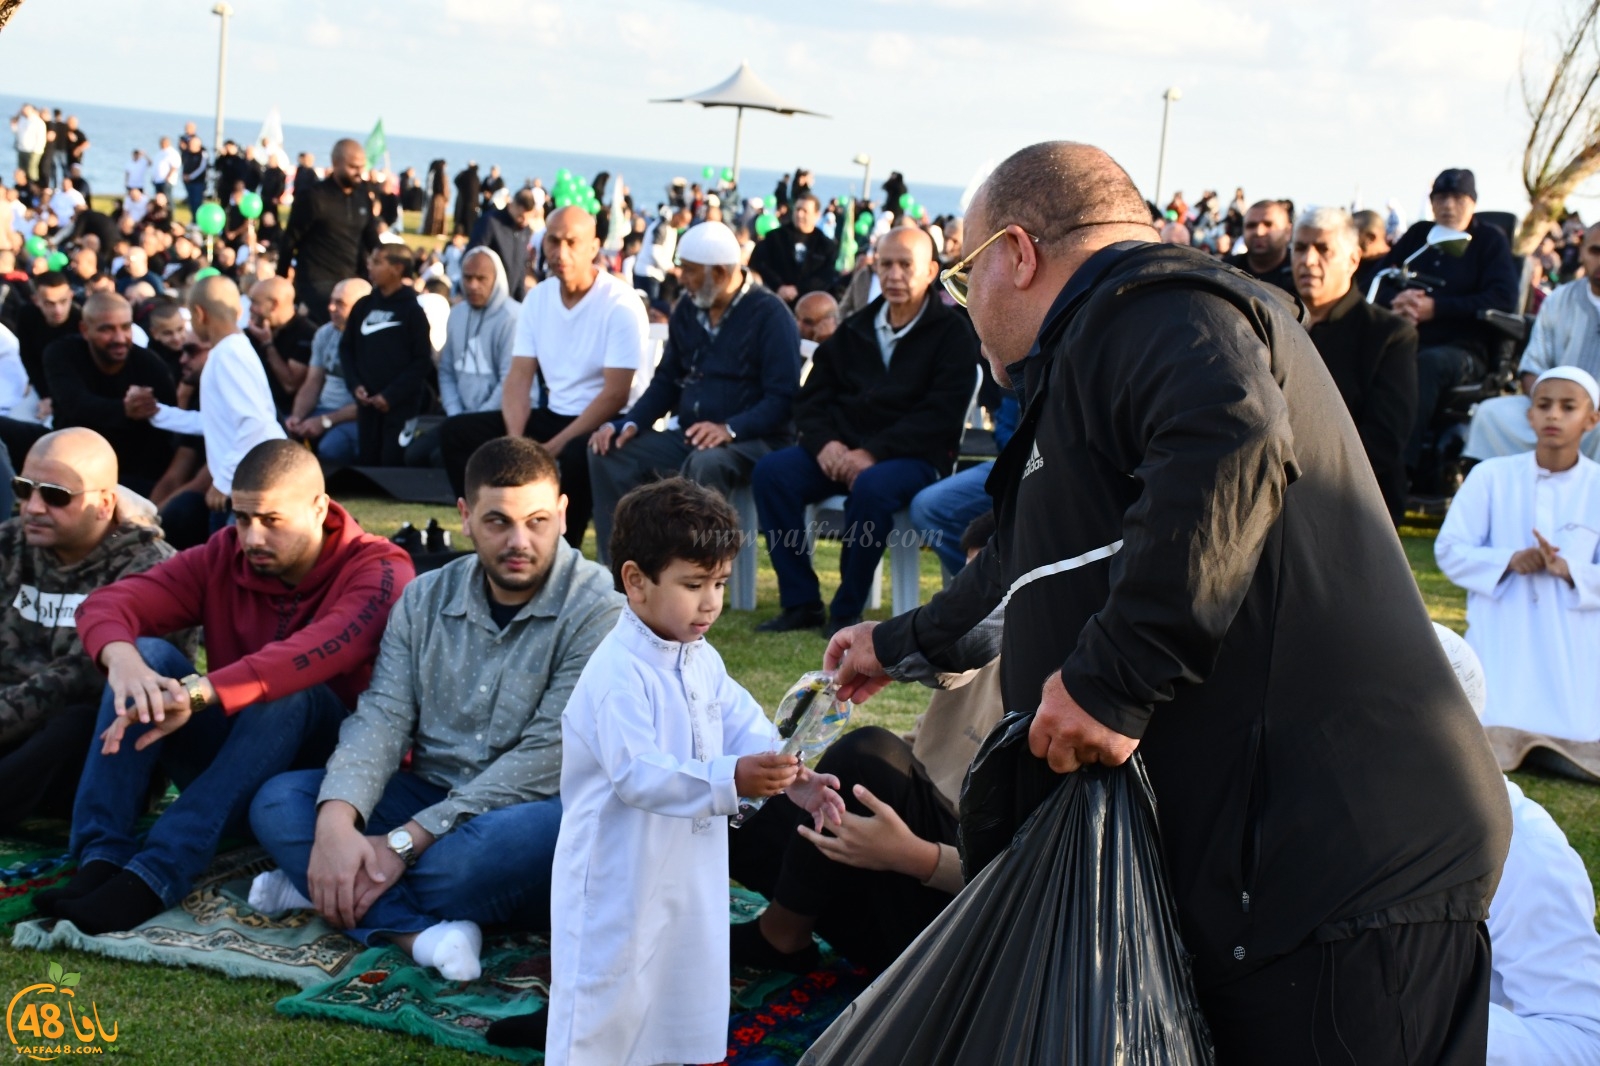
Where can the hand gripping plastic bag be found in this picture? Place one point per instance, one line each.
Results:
(810, 717)
(1062, 950)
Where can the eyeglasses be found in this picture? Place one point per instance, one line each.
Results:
(955, 278)
(52, 495)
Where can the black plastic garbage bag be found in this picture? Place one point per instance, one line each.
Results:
(1064, 949)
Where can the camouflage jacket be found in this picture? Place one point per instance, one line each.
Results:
(43, 667)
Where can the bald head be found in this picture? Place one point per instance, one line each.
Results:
(344, 297)
(79, 457)
(817, 315)
(102, 304)
(276, 465)
(345, 149)
(1057, 189)
(571, 220)
(213, 308)
(272, 302)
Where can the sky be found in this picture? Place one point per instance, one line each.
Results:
(1320, 102)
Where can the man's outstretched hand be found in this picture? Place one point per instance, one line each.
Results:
(858, 675)
(1067, 736)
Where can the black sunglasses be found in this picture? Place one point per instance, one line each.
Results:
(52, 495)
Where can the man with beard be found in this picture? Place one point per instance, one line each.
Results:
(281, 336)
(68, 541)
(90, 376)
(475, 669)
(727, 379)
(332, 229)
(1267, 228)
(1194, 561)
(293, 598)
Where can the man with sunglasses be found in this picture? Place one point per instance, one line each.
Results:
(1195, 561)
(67, 541)
(727, 377)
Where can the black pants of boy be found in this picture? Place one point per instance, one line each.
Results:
(39, 773)
(1395, 995)
(378, 434)
(462, 435)
(869, 916)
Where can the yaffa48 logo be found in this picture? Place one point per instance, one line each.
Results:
(43, 1021)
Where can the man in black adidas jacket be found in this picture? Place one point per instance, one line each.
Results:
(386, 354)
(1194, 560)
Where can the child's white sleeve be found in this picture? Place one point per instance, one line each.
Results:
(746, 730)
(1585, 592)
(1462, 549)
(644, 776)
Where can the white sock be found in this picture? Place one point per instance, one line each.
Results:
(273, 893)
(452, 948)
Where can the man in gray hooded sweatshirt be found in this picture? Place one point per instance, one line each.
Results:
(477, 347)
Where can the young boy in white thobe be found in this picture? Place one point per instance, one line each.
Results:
(1521, 537)
(658, 744)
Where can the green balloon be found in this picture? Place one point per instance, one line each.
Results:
(563, 175)
(57, 261)
(250, 205)
(922, 211)
(206, 272)
(564, 200)
(211, 218)
(708, 173)
(864, 224)
(36, 247)
(771, 202)
(765, 224)
(908, 203)
(727, 173)
(580, 182)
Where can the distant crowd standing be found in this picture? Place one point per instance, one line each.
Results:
(573, 354)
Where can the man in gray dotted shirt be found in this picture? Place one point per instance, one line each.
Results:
(474, 671)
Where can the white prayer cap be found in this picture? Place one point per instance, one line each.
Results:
(1467, 665)
(1572, 373)
(709, 244)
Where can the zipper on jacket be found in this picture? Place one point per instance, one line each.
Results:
(1250, 865)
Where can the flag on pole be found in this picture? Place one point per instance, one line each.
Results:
(377, 144)
(847, 239)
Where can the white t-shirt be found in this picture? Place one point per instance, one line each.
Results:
(169, 165)
(607, 330)
(136, 174)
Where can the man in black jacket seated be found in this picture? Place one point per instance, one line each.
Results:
(728, 377)
(89, 377)
(797, 258)
(879, 419)
(506, 233)
(1195, 563)
(1371, 353)
(1453, 347)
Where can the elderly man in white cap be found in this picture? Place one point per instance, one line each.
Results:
(725, 384)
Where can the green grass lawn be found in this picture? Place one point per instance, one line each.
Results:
(192, 1016)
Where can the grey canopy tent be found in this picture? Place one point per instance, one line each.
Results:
(740, 91)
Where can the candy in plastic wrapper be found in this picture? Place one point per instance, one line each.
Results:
(809, 718)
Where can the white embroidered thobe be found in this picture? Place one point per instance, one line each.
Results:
(639, 898)
(1539, 639)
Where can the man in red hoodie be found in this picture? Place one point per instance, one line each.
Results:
(293, 598)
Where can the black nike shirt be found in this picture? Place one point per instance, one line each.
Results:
(385, 346)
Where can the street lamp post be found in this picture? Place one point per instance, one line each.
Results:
(864, 161)
(223, 11)
(1170, 97)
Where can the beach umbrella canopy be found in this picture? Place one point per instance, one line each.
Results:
(742, 91)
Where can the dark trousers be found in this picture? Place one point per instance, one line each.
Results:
(18, 437)
(39, 773)
(195, 192)
(461, 435)
(186, 520)
(870, 916)
(378, 433)
(314, 295)
(1439, 369)
(786, 480)
(1401, 994)
(647, 285)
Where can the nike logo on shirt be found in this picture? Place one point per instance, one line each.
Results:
(376, 321)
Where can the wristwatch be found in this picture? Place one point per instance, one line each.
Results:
(327, 423)
(731, 434)
(399, 841)
(197, 695)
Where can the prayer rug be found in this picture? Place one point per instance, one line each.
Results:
(33, 856)
(216, 929)
(773, 1017)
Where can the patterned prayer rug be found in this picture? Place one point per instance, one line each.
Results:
(33, 856)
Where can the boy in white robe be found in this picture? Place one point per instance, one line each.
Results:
(1522, 537)
(1544, 986)
(658, 743)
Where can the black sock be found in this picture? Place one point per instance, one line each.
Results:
(525, 1030)
(115, 907)
(89, 877)
(750, 947)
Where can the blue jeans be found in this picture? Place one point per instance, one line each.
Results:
(339, 446)
(493, 869)
(785, 481)
(947, 507)
(217, 760)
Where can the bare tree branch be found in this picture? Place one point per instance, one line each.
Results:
(7, 9)
(1563, 147)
